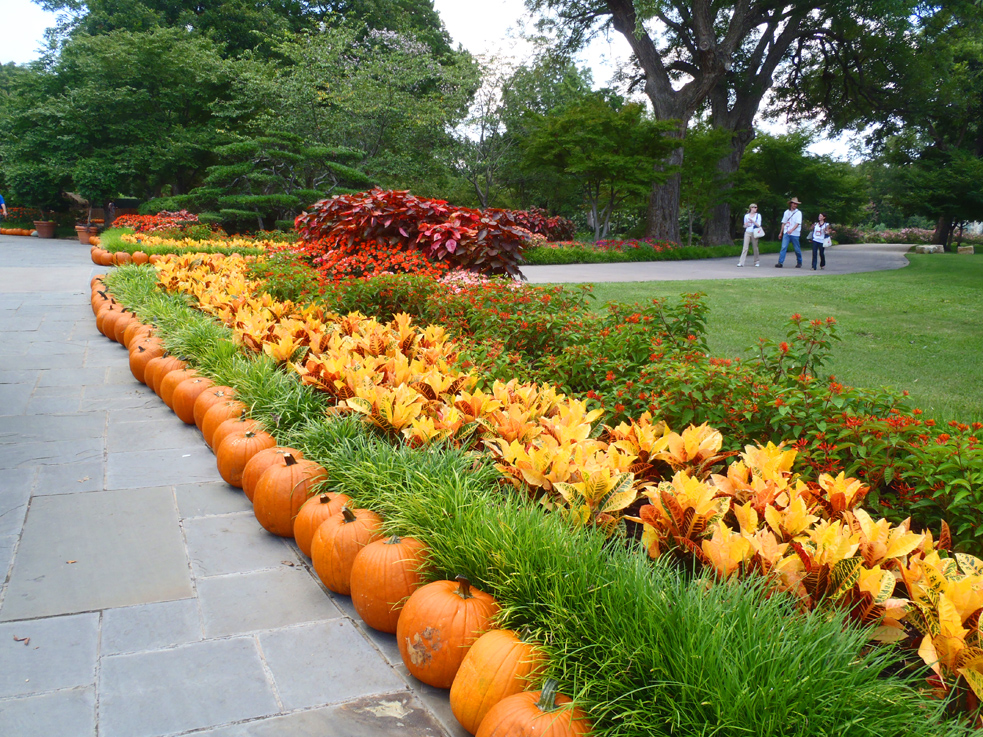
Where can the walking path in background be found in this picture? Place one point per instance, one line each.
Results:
(139, 595)
(851, 259)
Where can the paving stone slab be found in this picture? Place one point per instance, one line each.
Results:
(128, 399)
(118, 372)
(262, 600)
(54, 405)
(70, 713)
(14, 399)
(126, 546)
(76, 376)
(372, 716)
(71, 478)
(19, 324)
(23, 455)
(23, 362)
(205, 684)
(325, 663)
(61, 653)
(53, 427)
(23, 376)
(150, 626)
(208, 499)
(13, 505)
(233, 544)
(384, 642)
(145, 434)
(169, 466)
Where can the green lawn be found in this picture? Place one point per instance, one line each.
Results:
(919, 328)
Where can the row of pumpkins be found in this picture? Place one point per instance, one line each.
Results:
(443, 629)
(16, 231)
(102, 257)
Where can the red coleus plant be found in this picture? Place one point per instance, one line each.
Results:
(488, 242)
(154, 223)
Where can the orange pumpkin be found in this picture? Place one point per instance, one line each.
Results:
(312, 513)
(539, 713)
(122, 323)
(105, 257)
(140, 258)
(185, 395)
(170, 363)
(240, 424)
(336, 543)
(232, 454)
(258, 464)
(171, 381)
(210, 397)
(141, 354)
(217, 414)
(383, 576)
(120, 258)
(108, 308)
(109, 321)
(499, 664)
(438, 624)
(135, 330)
(282, 490)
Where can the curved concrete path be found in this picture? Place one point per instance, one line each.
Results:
(139, 597)
(850, 259)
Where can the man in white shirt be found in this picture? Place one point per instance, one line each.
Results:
(791, 228)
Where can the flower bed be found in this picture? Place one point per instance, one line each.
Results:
(611, 624)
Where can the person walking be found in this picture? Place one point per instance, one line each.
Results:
(752, 221)
(791, 227)
(3, 206)
(820, 232)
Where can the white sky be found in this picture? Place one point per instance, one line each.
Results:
(484, 27)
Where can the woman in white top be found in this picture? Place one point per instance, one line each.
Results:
(752, 221)
(817, 239)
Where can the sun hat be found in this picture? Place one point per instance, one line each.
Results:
(795, 200)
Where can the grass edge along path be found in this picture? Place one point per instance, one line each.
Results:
(648, 650)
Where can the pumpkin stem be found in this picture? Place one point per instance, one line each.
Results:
(348, 514)
(394, 540)
(289, 459)
(242, 416)
(324, 499)
(547, 699)
(464, 590)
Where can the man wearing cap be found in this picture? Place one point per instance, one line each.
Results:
(791, 227)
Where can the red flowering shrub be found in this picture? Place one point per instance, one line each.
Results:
(156, 223)
(341, 261)
(486, 242)
(536, 221)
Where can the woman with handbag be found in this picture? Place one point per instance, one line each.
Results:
(752, 231)
(819, 239)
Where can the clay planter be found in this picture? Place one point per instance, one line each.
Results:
(84, 231)
(45, 228)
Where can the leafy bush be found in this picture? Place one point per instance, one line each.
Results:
(156, 223)
(537, 222)
(486, 242)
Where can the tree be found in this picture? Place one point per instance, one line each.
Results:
(703, 185)
(611, 149)
(916, 90)
(690, 55)
(777, 168)
(269, 177)
(142, 101)
(245, 25)
(386, 95)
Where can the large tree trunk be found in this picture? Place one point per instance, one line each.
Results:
(943, 229)
(662, 221)
(719, 229)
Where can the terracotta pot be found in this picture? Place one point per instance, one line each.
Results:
(45, 228)
(84, 232)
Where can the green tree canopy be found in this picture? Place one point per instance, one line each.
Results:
(609, 148)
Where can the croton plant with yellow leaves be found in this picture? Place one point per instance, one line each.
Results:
(811, 538)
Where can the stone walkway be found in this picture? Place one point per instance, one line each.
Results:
(139, 595)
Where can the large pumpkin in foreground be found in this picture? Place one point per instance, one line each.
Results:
(384, 575)
(437, 626)
(336, 543)
(499, 664)
(281, 491)
(535, 714)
